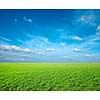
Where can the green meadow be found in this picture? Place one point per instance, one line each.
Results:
(49, 76)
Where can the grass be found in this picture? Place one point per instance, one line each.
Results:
(49, 76)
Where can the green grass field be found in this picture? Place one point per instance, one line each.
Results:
(50, 76)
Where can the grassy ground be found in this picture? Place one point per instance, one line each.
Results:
(49, 76)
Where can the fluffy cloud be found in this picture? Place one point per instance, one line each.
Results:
(27, 19)
(14, 48)
(76, 38)
(76, 50)
(16, 53)
(27, 50)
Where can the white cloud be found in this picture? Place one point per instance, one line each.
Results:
(92, 39)
(14, 48)
(27, 19)
(76, 38)
(76, 50)
(39, 44)
(63, 44)
(98, 30)
(87, 55)
(39, 53)
(49, 49)
(92, 55)
(66, 57)
(27, 50)
(87, 19)
(4, 47)
(30, 20)
(89, 43)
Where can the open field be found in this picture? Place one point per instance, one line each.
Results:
(49, 76)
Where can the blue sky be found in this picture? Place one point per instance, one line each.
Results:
(50, 35)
